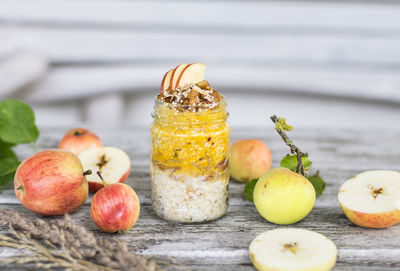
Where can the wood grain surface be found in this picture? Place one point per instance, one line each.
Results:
(223, 244)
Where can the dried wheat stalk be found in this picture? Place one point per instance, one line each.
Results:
(65, 244)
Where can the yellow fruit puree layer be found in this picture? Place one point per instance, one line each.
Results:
(191, 143)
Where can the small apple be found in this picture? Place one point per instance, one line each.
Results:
(78, 140)
(115, 208)
(282, 196)
(51, 182)
(165, 83)
(176, 74)
(113, 164)
(292, 249)
(249, 159)
(191, 74)
(371, 199)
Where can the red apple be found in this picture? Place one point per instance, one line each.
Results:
(113, 164)
(115, 208)
(51, 182)
(78, 140)
(249, 159)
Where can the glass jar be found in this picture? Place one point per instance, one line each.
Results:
(189, 162)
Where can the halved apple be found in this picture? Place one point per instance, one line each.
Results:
(176, 74)
(372, 199)
(191, 74)
(165, 83)
(113, 164)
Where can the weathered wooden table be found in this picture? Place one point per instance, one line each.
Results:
(223, 244)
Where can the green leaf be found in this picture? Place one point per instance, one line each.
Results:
(4, 180)
(7, 152)
(290, 162)
(8, 165)
(17, 122)
(5, 144)
(318, 183)
(249, 189)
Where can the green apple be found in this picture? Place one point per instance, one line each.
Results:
(284, 197)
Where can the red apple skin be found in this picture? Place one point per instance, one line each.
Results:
(115, 208)
(375, 221)
(95, 186)
(51, 183)
(249, 159)
(78, 140)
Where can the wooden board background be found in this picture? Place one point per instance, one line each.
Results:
(223, 244)
(340, 48)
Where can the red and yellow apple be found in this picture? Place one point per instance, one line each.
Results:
(371, 199)
(115, 208)
(51, 182)
(113, 164)
(78, 140)
(249, 159)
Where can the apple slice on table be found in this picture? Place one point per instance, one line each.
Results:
(113, 164)
(191, 74)
(292, 249)
(176, 74)
(165, 83)
(371, 199)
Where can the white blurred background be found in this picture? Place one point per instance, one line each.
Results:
(317, 63)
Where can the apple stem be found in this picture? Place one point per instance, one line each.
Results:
(77, 133)
(20, 187)
(281, 127)
(101, 178)
(87, 172)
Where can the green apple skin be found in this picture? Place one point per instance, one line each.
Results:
(283, 197)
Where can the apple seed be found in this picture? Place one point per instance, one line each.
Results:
(292, 247)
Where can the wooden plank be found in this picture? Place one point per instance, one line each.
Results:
(223, 244)
(68, 83)
(97, 46)
(213, 14)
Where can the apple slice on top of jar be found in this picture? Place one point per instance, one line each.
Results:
(182, 75)
(190, 144)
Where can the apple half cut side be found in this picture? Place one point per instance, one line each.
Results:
(292, 249)
(113, 164)
(165, 83)
(372, 199)
(176, 74)
(191, 74)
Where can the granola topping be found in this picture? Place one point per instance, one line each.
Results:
(193, 98)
